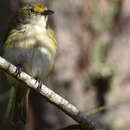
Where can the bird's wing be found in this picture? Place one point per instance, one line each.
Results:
(52, 36)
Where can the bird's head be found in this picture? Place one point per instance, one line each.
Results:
(36, 11)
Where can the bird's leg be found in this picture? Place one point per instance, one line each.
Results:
(19, 69)
(39, 83)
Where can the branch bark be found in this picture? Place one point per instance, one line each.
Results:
(50, 96)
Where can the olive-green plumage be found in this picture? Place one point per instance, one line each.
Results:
(31, 44)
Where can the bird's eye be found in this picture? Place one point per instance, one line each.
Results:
(32, 11)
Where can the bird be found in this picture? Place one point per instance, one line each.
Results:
(30, 45)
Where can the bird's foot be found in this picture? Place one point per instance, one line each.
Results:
(39, 83)
(19, 69)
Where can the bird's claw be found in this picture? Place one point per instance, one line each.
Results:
(19, 69)
(39, 83)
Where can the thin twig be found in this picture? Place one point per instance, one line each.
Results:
(50, 95)
(96, 110)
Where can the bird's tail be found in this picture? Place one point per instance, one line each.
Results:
(16, 110)
(8, 111)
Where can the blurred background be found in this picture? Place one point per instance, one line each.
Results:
(92, 66)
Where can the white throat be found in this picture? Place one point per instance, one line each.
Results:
(39, 23)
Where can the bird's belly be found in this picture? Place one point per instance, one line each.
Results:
(37, 62)
(41, 62)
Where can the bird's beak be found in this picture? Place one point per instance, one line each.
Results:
(48, 12)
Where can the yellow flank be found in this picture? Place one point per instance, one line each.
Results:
(29, 43)
(53, 40)
(12, 40)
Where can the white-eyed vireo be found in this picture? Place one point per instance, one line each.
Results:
(30, 44)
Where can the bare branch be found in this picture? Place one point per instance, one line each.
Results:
(51, 96)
